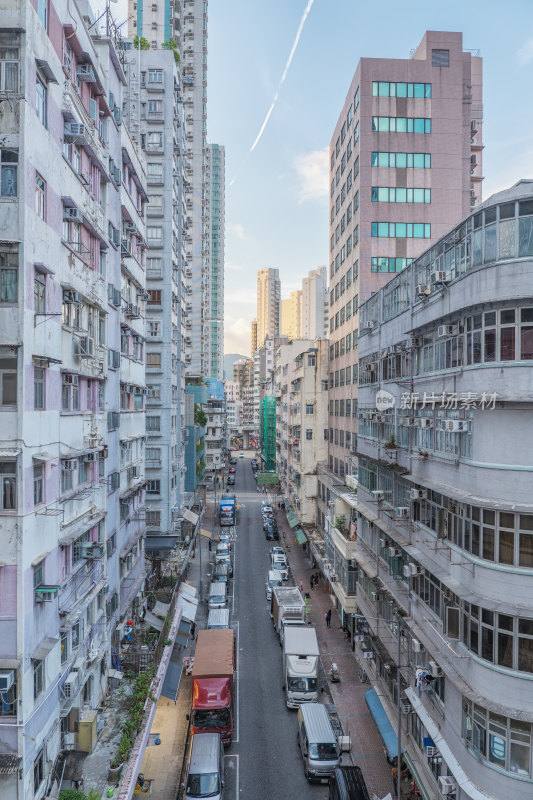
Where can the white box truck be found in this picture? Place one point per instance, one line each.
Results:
(287, 608)
(300, 665)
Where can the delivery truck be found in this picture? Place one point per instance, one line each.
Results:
(287, 608)
(213, 693)
(300, 665)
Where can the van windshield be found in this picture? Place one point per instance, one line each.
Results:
(275, 582)
(202, 785)
(301, 684)
(323, 752)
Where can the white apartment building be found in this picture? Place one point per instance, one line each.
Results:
(291, 315)
(268, 306)
(214, 236)
(315, 304)
(72, 398)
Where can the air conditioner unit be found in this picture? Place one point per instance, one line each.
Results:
(373, 596)
(447, 330)
(85, 72)
(410, 570)
(447, 785)
(439, 277)
(72, 214)
(424, 422)
(70, 296)
(90, 458)
(435, 670)
(417, 341)
(92, 550)
(69, 464)
(418, 494)
(416, 645)
(115, 237)
(333, 578)
(383, 543)
(71, 684)
(367, 326)
(368, 654)
(453, 425)
(75, 132)
(431, 751)
(423, 290)
(7, 679)
(402, 512)
(378, 494)
(393, 551)
(104, 453)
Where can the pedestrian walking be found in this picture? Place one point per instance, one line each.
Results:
(302, 587)
(394, 773)
(327, 616)
(312, 582)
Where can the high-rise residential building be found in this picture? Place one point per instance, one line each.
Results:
(72, 391)
(154, 113)
(213, 281)
(300, 389)
(444, 542)
(253, 337)
(268, 304)
(215, 432)
(291, 315)
(405, 166)
(315, 310)
(185, 23)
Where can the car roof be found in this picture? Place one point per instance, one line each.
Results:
(317, 723)
(204, 753)
(274, 574)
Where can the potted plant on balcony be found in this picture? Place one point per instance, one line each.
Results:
(423, 453)
(391, 444)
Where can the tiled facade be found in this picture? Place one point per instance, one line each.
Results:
(406, 165)
(72, 303)
(215, 223)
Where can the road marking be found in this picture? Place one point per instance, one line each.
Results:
(236, 757)
(237, 683)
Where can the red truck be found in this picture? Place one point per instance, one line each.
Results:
(213, 695)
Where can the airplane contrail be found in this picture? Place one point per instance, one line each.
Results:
(285, 71)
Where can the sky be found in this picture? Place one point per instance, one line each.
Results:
(277, 195)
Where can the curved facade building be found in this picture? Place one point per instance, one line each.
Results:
(445, 502)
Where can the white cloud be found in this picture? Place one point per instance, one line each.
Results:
(525, 54)
(238, 230)
(313, 172)
(237, 336)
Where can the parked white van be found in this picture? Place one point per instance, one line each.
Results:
(205, 776)
(217, 595)
(317, 742)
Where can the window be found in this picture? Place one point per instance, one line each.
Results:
(40, 196)
(38, 484)
(402, 124)
(401, 230)
(154, 234)
(8, 173)
(309, 408)
(154, 172)
(385, 264)
(309, 433)
(8, 485)
(8, 275)
(153, 487)
(153, 423)
(154, 297)
(502, 741)
(41, 100)
(153, 519)
(38, 686)
(42, 12)
(382, 194)
(440, 58)
(38, 388)
(39, 293)
(70, 395)
(386, 89)
(402, 160)
(38, 764)
(8, 382)
(155, 76)
(153, 360)
(9, 62)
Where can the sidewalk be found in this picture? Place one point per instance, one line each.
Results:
(348, 695)
(163, 763)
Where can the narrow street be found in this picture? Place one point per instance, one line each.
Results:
(264, 760)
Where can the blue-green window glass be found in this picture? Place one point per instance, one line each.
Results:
(419, 89)
(418, 160)
(401, 90)
(383, 89)
(374, 194)
(401, 230)
(401, 125)
(419, 126)
(383, 229)
(384, 123)
(383, 194)
(418, 230)
(427, 126)
(402, 160)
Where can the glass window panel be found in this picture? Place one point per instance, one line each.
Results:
(401, 125)
(525, 654)
(383, 159)
(418, 195)
(383, 90)
(507, 239)
(427, 160)
(526, 343)
(418, 160)
(401, 195)
(497, 748)
(490, 243)
(419, 125)
(490, 215)
(401, 230)
(374, 194)
(418, 231)
(383, 123)
(401, 90)
(488, 544)
(383, 229)
(375, 157)
(520, 757)
(507, 211)
(419, 90)
(401, 160)
(487, 643)
(490, 345)
(428, 126)
(525, 237)
(505, 650)
(525, 626)
(374, 88)
(506, 547)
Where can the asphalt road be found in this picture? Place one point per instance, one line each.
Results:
(264, 760)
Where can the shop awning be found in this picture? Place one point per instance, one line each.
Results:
(44, 648)
(171, 684)
(386, 731)
(184, 630)
(189, 606)
(292, 519)
(300, 536)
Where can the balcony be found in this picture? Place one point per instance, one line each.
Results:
(79, 584)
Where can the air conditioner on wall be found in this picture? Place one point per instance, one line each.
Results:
(418, 494)
(447, 330)
(447, 785)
